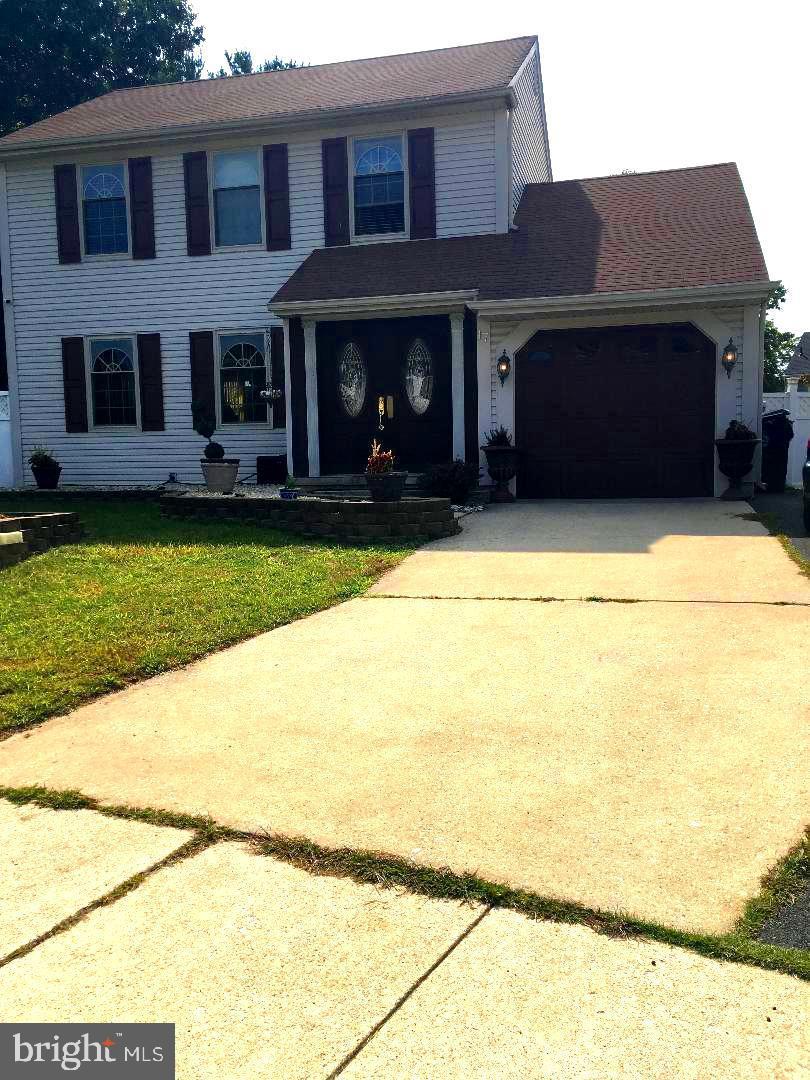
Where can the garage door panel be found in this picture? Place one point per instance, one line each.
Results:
(616, 413)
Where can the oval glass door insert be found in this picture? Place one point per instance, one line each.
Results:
(352, 380)
(419, 377)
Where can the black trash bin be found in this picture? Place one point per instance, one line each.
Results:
(777, 431)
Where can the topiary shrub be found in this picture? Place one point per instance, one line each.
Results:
(205, 424)
(453, 480)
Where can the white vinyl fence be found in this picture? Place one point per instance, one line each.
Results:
(6, 474)
(798, 405)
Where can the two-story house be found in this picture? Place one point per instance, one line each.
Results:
(380, 240)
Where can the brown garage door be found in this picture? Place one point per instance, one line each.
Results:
(615, 413)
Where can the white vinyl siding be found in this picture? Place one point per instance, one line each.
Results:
(174, 294)
(530, 163)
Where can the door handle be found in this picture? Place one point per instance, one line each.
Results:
(389, 407)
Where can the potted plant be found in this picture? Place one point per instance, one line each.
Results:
(735, 456)
(220, 472)
(502, 462)
(452, 480)
(290, 489)
(384, 483)
(45, 467)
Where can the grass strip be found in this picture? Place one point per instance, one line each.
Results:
(441, 883)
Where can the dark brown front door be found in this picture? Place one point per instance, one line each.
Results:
(401, 364)
(615, 413)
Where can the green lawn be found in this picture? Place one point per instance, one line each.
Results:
(142, 594)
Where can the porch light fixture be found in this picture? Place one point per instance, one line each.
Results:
(729, 357)
(503, 367)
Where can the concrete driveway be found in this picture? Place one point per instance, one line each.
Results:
(646, 757)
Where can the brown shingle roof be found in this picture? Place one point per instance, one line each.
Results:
(799, 363)
(387, 80)
(660, 230)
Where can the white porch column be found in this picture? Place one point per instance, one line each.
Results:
(457, 381)
(484, 365)
(310, 368)
(288, 394)
(751, 398)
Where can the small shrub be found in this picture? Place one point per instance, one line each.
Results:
(499, 436)
(739, 432)
(205, 424)
(453, 480)
(41, 455)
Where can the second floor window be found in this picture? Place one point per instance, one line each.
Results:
(237, 198)
(379, 186)
(242, 377)
(104, 206)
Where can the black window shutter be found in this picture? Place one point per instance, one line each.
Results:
(141, 208)
(73, 381)
(277, 197)
(422, 183)
(67, 213)
(198, 222)
(203, 390)
(335, 162)
(150, 378)
(277, 369)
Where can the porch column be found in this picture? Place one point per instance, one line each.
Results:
(484, 388)
(288, 397)
(457, 381)
(310, 368)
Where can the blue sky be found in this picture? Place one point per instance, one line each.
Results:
(628, 85)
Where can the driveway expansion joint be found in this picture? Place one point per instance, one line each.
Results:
(590, 600)
(186, 850)
(358, 1049)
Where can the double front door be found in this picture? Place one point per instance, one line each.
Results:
(384, 379)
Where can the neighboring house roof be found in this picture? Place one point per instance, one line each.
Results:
(642, 231)
(799, 363)
(463, 71)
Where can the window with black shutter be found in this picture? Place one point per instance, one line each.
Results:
(379, 186)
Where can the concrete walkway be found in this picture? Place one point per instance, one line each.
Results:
(268, 971)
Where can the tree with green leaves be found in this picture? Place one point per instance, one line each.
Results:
(240, 62)
(55, 54)
(779, 345)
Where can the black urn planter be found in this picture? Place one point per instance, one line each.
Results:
(386, 487)
(502, 463)
(47, 475)
(735, 459)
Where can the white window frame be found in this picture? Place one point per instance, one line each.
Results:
(376, 238)
(248, 425)
(103, 255)
(215, 247)
(124, 429)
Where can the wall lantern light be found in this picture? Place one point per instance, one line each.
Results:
(504, 366)
(729, 357)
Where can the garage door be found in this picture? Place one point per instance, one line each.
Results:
(615, 413)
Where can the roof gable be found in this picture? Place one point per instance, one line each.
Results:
(438, 74)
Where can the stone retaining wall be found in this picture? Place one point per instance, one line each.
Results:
(29, 534)
(336, 519)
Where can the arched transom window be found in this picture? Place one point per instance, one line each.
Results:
(242, 378)
(352, 379)
(419, 377)
(112, 382)
(104, 204)
(379, 186)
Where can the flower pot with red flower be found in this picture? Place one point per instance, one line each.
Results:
(385, 484)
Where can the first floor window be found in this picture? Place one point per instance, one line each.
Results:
(237, 198)
(104, 205)
(112, 382)
(379, 186)
(242, 377)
